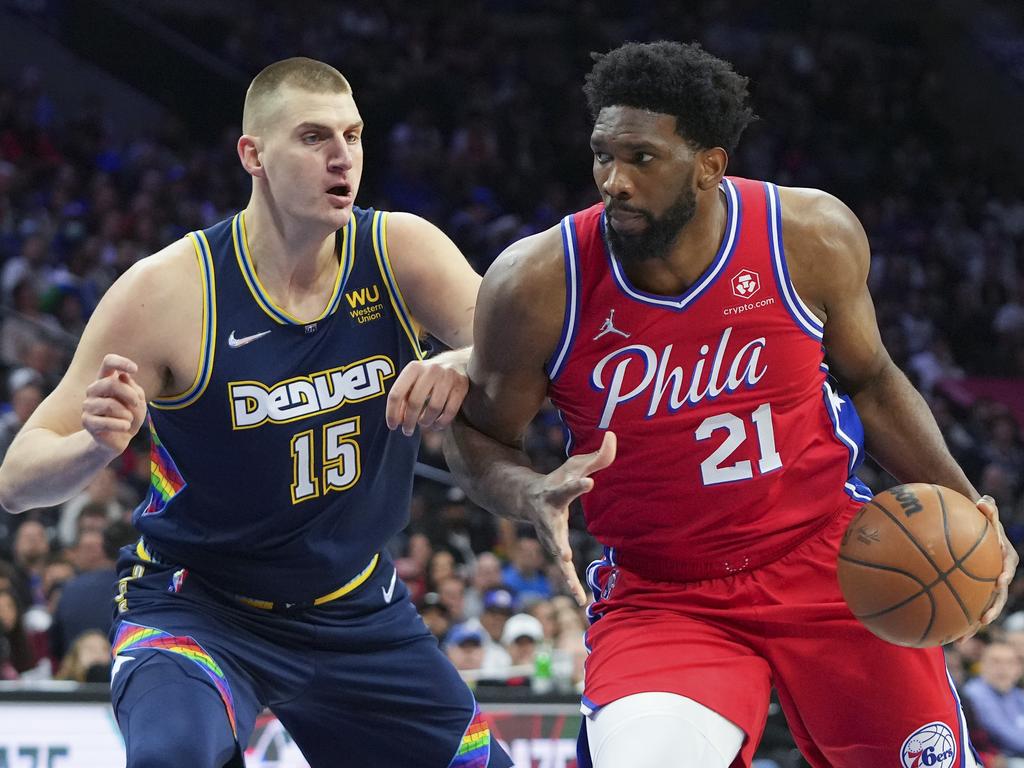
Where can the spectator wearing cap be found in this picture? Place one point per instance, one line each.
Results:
(25, 387)
(997, 699)
(525, 574)
(498, 605)
(521, 636)
(465, 646)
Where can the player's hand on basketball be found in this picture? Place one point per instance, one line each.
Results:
(987, 505)
(115, 405)
(427, 393)
(549, 507)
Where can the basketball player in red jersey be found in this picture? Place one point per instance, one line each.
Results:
(697, 333)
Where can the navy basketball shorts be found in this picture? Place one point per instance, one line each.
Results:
(357, 681)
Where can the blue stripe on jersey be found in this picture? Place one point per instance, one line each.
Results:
(848, 430)
(209, 328)
(733, 222)
(570, 254)
(803, 316)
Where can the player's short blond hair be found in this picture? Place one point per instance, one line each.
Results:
(297, 72)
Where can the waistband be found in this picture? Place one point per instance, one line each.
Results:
(684, 571)
(146, 554)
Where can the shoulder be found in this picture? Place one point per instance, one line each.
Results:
(529, 266)
(169, 275)
(825, 244)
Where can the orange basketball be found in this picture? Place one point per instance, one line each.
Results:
(918, 564)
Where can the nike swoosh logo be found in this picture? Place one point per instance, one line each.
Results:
(390, 591)
(119, 661)
(235, 343)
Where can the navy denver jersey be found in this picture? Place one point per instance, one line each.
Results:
(274, 476)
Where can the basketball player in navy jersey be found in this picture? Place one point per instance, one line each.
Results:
(274, 351)
(681, 326)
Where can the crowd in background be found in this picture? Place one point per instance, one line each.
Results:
(488, 139)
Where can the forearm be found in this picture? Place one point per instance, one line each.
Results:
(42, 468)
(902, 435)
(494, 475)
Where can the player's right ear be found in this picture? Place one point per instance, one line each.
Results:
(249, 154)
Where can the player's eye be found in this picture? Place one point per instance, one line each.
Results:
(602, 157)
(642, 157)
(310, 138)
(353, 138)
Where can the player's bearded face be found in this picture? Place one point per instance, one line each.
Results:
(655, 240)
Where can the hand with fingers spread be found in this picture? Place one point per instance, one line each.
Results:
(547, 506)
(115, 405)
(428, 393)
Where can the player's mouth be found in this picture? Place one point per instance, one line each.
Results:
(340, 195)
(627, 222)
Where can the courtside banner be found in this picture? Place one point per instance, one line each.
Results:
(83, 734)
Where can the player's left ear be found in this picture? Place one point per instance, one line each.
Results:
(711, 165)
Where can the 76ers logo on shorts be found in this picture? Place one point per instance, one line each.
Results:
(746, 284)
(930, 746)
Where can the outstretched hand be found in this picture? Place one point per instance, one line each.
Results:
(115, 405)
(549, 506)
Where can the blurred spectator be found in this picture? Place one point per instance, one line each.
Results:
(86, 601)
(498, 605)
(31, 548)
(525, 575)
(486, 576)
(435, 615)
(452, 591)
(521, 636)
(26, 392)
(464, 645)
(997, 699)
(102, 492)
(12, 631)
(87, 660)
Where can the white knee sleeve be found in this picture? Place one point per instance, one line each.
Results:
(661, 730)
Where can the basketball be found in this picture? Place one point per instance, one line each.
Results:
(918, 565)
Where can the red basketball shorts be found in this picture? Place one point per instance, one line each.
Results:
(851, 699)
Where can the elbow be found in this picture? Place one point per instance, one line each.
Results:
(9, 497)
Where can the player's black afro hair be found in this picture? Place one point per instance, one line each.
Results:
(706, 96)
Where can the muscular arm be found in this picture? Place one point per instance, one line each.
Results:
(101, 402)
(829, 257)
(829, 254)
(518, 324)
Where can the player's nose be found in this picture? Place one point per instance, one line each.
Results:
(340, 158)
(617, 184)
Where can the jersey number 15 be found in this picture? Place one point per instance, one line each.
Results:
(339, 469)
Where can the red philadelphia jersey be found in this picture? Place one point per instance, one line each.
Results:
(733, 444)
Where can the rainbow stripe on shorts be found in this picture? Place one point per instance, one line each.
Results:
(134, 637)
(475, 749)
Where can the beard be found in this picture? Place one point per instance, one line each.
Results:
(661, 232)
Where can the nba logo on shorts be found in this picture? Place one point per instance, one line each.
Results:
(930, 746)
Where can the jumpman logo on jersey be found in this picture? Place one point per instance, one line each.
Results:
(609, 327)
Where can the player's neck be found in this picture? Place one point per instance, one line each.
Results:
(288, 255)
(691, 253)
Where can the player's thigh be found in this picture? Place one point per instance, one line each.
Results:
(689, 650)
(394, 706)
(171, 713)
(661, 730)
(854, 700)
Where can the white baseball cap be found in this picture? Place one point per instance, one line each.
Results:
(522, 625)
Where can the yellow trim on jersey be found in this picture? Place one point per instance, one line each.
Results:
(209, 329)
(240, 238)
(380, 250)
(341, 591)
